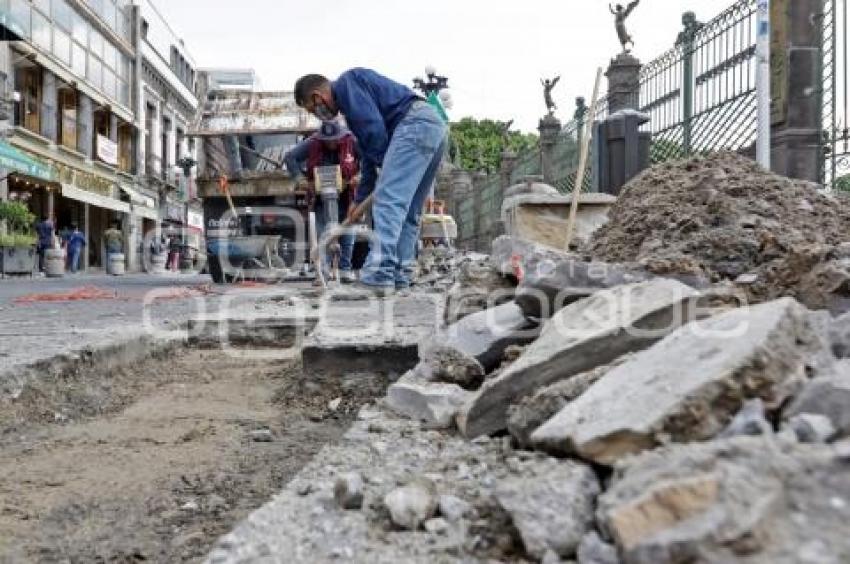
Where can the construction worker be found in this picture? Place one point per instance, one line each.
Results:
(398, 132)
(330, 145)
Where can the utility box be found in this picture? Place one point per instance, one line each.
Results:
(622, 150)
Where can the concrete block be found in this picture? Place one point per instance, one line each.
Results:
(581, 336)
(688, 386)
(434, 403)
(828, 396)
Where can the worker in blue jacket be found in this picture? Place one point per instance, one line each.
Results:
(398, 132)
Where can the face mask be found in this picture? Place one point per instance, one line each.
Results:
(323, 112)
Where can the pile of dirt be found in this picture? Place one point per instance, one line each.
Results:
(722, 217)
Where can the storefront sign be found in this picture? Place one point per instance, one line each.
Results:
(195, 219)
(94, 199)
(107, 150)
(16, 160)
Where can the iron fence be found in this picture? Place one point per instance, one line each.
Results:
(835, 96)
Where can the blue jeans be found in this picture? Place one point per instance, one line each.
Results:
(346, 242)
(74, 259)
(410, 167)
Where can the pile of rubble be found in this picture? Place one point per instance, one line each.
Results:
(722, 217)
(657, 423)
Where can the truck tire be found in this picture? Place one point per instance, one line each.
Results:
(216, 272)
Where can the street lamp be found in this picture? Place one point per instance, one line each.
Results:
(434, 84)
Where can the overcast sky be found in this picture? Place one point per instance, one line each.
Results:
(494, 51)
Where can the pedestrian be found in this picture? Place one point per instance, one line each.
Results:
(44, 230)
(74, 246)
(398, 132)
(113, 240)
(173, 253)
(330, 146)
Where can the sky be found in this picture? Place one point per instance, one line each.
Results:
(494, 52)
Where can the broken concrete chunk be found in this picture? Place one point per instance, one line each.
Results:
(551, 504)
(485, 335)
(348, 491)
(529, 413)
(509, 252)
(828, 396)
(552, 285)
(582, 336)
(811, 428)
(749, 420)
(434, 403)
(453, 508)
(744, 498)
(839, 334)
(593, 550)
(413, 504)
(688, 386)
(445, 363)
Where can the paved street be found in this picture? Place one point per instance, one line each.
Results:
(35, 328)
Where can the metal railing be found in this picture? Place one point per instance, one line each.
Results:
(835, 96)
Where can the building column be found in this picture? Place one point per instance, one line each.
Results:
(113, 127)
(170, 144)
(478, 180)
(85, 126)
(797, 82)
(461, 182)
(87, 233)
(549, 128)
(49, 106)
(155, 135)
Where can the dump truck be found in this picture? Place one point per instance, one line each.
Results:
(254, 218)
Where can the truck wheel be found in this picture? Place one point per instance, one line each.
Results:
(216, 273)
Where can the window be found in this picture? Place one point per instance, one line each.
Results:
(126, 67)
(95, 74)
(68, 118)
(124, 92)
(62, 46)
(19, 14)
(80, 30)
(109, 86)
(29, 83)
(125, 147)
(41, 31)
(110, 15)
(63, 16)
(96, 43)
(43, 5)
(110, 55)
(78, 59)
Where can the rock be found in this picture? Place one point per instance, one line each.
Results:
(444, 363)
(740, 499)
(582, 336)
(434, 403)
(749, 420)
(479, 286)
(413, 504)
(550, 503)
(453, 508)
(759, 351)
(485, 335)
(508, 252)
(333, 405)
(552, 285)
(348, 491)
(828, 396)
(551, 557)
(593, 550)
(811, 428)
(525, 416)
(436, 526)
(262, 436)
(839, 335)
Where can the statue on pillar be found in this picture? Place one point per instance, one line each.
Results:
(506, 131)
(620, 15)
(548, 86)
(581, 109)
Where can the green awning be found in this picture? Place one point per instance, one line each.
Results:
(16, 160)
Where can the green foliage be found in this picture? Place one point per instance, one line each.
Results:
(19, 220)
(478, 145)
(842, 183)
(17, 240)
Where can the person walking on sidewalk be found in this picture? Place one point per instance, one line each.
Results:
(44, 230)
(113, 240)
(331, 145)
(74, 246)
(398, 132)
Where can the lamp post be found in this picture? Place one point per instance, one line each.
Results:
(434, 84)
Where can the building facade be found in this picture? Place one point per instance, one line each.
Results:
(100, 93)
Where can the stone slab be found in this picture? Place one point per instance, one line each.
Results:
(434, 403)
(586, 334)
(688, 386)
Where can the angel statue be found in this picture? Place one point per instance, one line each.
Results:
(548, 86)
(620, 15)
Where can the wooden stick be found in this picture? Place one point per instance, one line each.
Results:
(582, 162)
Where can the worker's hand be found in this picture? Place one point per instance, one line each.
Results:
(350, 216)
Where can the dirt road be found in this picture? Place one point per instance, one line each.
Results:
(153, 462)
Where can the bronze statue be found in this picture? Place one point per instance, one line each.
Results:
(506, 131)
(548, 86)
(620, 15)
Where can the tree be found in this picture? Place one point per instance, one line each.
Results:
(478, 145)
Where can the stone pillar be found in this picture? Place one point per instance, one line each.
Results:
(623, 83)
(155, 134)
(797, 82)
(506, 171)
(49, 106)
(87, 233)
(477, 204)
(461, 183)
(549, 129)
(170, 156)
(85, 126)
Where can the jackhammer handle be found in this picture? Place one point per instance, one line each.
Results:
(358, 212)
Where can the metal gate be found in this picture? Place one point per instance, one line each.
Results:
(836, 97)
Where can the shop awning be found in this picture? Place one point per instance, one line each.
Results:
(136, 198)
(17, 161)
(94, 199)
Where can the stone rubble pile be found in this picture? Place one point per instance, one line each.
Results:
(686, 402)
